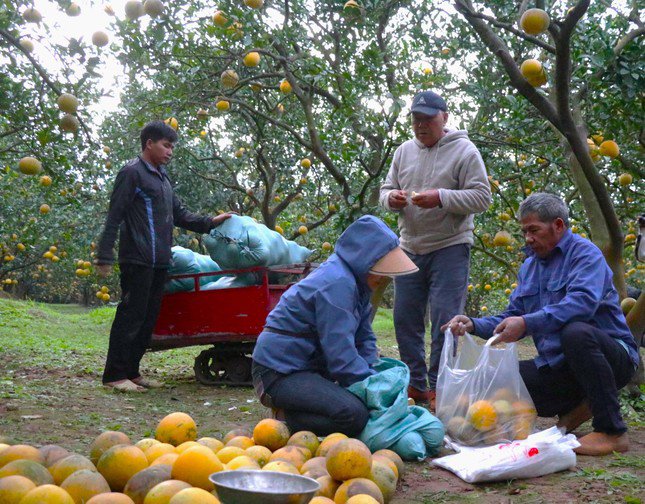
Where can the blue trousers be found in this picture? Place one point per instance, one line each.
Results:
(596, 368)
(442, 281)
(310, 402)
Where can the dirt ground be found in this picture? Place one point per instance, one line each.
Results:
(50, 393)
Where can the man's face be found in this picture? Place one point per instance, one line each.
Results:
(542, 237)
(160, 152)
(429, 129)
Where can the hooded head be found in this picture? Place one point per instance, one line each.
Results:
(368, 241)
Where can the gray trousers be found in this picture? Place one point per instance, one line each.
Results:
(441, 282)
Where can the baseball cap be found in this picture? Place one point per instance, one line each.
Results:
(428, 103)
(394, 263)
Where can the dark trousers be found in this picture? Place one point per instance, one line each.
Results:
(596, 367)
(442, 281)
(311, 402)
(141, 289)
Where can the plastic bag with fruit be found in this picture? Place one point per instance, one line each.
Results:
(481, 398)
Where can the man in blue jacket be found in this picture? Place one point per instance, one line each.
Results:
(319, 339)
(144, 209)
(566, 301)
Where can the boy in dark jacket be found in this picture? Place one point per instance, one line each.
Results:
(144, 208)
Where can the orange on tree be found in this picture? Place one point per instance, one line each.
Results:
(154, 8)
(534, 21)
(100, 38)
(502, 239)
(176, 428)
(133, 9)
(29, 165)
(305, 163)
(26, 44)
(254, 4)
(609, 148)
(229, 78)
(172, 122)
(271, 433)
(32, 15)
(195, 465)
(531, 68)
(285, 86)
(219, 18)
(223, 105)
(625, 179)
(251, 59)
(67, 103)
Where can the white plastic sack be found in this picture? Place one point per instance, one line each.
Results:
(541, 453)
(481, 398)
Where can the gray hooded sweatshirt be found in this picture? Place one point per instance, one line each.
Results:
(454, 166)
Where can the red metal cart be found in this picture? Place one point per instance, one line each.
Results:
(228, 319)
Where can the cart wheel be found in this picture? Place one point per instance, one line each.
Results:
(222, 368)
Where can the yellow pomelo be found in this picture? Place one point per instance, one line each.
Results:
(271, 433)
(502, 239)
(141, 483)
(357, 486)
(328, 486)
(176, 428)
(223, 105)
(107, 440)
(252, 59)
(119, 463)
(534, 21)
(156, 451)
(243, 442)
(154, 8)
(306, 439)
(229, 78)
(29, 165)
(214, 444)
(47, 494)
(29, 469)
(195, 465)
(85, 484)
(281, 466)
(52, 454)
(254, 4)
(185, 445)
(14, 488)
(261, 454)
(321, 500)
(362, 499)
(19, 452)
(67, 103)
(328, 442)
(100, 38)
(296, 455)
(219, 18)
(133, 9)
(384, 477)
(348, 459)
(163, 492)
(482, 415)
(242, 462)
(167, 459)
(609, 148)
(285, 86)
(69, 465)
(110, 498)
(193, 496)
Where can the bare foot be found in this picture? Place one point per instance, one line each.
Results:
(124, 386)
(600, 443)
(147, 382)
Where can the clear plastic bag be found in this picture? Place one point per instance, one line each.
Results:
(481, 398)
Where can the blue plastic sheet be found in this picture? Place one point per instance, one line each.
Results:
(411, 431)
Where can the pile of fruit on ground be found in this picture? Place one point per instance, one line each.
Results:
(174, 467)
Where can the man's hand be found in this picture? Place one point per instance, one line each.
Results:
(103, 270)
(510, 329)
(221, 218)
(426, 199)
(459, 325)
(397, 199)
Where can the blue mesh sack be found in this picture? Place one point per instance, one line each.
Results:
(241, 242)
(185, 261)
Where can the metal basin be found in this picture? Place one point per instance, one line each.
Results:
(263, 487)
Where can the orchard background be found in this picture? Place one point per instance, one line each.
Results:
(290, 113)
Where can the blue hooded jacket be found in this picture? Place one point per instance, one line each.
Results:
(322, 323)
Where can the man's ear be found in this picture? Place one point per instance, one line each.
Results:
(559, 225)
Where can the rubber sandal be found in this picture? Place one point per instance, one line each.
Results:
(124, 386)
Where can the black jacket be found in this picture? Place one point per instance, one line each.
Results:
(144, 208)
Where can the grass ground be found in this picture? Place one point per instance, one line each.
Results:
(51, 359)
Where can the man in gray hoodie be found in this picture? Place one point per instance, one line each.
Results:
(436, 183)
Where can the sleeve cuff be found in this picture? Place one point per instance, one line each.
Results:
(534, 321)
